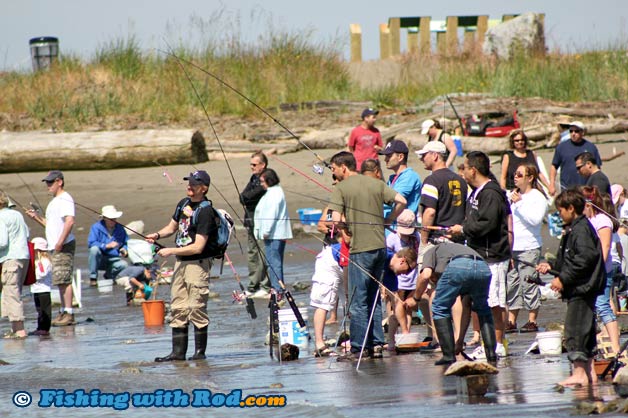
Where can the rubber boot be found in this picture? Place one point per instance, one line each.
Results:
(200, 343)
(179, 346)
(487, 329)
(445, 333)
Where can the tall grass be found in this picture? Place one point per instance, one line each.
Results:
(123, 86)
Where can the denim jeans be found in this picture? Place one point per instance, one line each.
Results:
(603, 302)
(463, 276)
(111, 265)
(274, 249)
(364, 298)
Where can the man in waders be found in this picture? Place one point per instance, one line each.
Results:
(193, 223)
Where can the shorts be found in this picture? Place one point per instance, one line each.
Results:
(63, 264)
(497, 288)
(323, 296)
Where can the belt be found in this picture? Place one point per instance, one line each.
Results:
(469, 256)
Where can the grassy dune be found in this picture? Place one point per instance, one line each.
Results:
(121, 83)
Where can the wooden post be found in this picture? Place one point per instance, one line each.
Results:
(452, 35)
(384, 41)
(425, 43)
(394, 24)
(356, 42)
(441, 44)
(482, 28)
(413, 41)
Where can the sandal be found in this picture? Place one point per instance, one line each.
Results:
(13, 336)
(324, 352)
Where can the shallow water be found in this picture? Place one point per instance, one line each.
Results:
(111, 350)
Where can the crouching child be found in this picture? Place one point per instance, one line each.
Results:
(581, 278)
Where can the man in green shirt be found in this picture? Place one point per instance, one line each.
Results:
(360, 199)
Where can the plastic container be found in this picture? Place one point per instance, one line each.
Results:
(458, 142)
(405, 339)
(309, 216)
(550, 343)
(154, 313)
(289, 330)
(105, 285)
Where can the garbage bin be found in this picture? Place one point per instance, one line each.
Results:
(44, 50)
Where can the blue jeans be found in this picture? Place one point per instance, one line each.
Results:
(98, 261)
(603, 302)
(364, 290)
(274, 249)
(463, 276)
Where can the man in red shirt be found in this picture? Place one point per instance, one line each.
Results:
(365, 140)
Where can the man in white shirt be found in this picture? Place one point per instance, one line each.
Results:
(59, 222)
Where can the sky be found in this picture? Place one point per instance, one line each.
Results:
(83, 26)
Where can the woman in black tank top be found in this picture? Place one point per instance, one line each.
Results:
(435, 132)
(519, 155)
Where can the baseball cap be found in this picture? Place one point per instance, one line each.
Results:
(53, 175)
(369, 111)
(198, 177)
(432, 146)
(394, 146)
(405, 222)
(425, 126)
(577, 124)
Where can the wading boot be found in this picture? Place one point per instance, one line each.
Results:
(445, 333)
(179, 346)
(487, 329)
(200, 343)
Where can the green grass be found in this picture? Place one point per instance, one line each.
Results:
(124, 86)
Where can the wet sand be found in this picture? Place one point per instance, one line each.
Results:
(111, 350)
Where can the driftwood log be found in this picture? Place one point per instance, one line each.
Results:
(41, 151)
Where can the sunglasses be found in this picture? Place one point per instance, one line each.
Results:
(255, 165)
(518, 140)
(50, 183)
(578, 167)
(519, 175)
(571, 131)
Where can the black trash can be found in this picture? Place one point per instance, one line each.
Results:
(44, 50)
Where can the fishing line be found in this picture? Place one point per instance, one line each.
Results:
(301, 173)
(288, 295)
(31, 192)
(233, 89)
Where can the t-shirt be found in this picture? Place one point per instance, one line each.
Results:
(599, 180)
(361, 198)
(527, 219)
(438, 257)
(408, 185)
(600, 221)
(56, 211)
(623, 210)
(405, 281)
(564, 158)
(363, 141)
(446, 193)
(186, 233)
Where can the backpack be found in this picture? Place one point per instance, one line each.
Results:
(218, 241)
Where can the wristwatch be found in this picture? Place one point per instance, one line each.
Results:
(415, 298)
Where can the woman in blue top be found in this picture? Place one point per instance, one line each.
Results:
(272, 225)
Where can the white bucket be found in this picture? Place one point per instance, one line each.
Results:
(550, 343)
(105, 285)
(289, 330)
(405, 339)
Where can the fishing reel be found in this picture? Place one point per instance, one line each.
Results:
(318, 169)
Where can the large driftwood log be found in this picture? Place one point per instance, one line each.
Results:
(40, 151)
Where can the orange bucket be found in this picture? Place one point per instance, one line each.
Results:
(154, 312)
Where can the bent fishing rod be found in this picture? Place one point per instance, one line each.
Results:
(239, 93)
(289, 298)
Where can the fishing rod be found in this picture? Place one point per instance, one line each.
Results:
(287, 293)
(39, 207)
(233, 89)
(250, 305)
(456, 113)
(157, 244)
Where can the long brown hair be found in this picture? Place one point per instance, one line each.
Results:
(532, 170)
